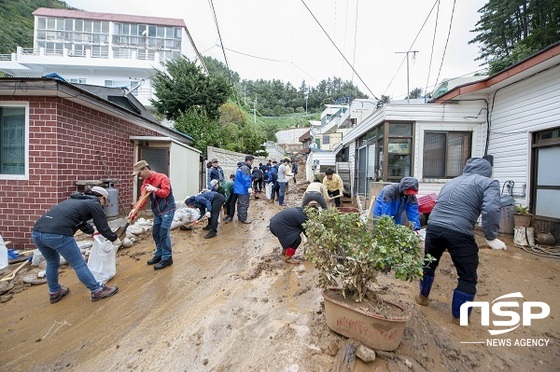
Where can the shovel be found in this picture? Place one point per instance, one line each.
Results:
(121, 231)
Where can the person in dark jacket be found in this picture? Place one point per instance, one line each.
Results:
(295, 170)
(163, 207)
(287, 226)
(398, 198)
(226, 189)
(242, 189)
(451, 227)
(257, 175)
(215, 173)
(53, 233)
(209, 203)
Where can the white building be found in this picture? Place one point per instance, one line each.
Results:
(103, 49)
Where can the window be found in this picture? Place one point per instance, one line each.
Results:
(326, 140)
(13, 134)
(446, 153)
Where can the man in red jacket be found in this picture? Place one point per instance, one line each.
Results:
(163, 207)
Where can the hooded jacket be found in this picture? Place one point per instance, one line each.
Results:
(243, 180)
(391, 202)
(464, 198)
(72, 214)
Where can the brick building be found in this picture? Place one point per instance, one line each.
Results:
(55, 135)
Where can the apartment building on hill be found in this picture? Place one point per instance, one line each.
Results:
(114, 50)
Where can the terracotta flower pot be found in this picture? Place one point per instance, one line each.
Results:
(351, 320)
(522, 219)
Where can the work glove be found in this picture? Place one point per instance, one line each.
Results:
(496, 244)
(207, 214)
(151, 188)
(133, 214)
(250, 190)
(117, 243)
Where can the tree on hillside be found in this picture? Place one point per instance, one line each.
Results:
(16, 19)
(512, 30)
(183, 86)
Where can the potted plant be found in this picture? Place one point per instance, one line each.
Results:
(349, 252)
(521, 216)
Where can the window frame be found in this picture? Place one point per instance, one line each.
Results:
(446, 133)
(25, 175)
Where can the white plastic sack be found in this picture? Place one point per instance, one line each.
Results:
(3, 254)
(268, 190)
(102, 261)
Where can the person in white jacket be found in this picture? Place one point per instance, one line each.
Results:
(451, 227)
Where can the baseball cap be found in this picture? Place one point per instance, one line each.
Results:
(100, 191)
(214, 160)
(249, 157)
(138, 166)
(213, 183)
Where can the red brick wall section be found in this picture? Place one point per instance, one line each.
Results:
(67, 142)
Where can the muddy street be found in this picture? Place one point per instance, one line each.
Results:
(232, 304)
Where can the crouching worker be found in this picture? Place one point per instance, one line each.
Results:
(209, 203)
(53, 233)
(451, 227)
(398, 198)
(316, 192)
(287, 226)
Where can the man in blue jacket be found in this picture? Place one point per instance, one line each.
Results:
(242, 189)
(451, 227)
(398, 198)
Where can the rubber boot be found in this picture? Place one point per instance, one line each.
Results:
(459, 298)
(425, 288)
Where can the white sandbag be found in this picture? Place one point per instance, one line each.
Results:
(128, 242)
(102, 260)
(37, 258)
(136, 229)
(268, 190)
(3, 254)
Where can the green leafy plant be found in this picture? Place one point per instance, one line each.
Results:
(521, 209)
(350, 251)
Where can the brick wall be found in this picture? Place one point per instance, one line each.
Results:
(67, 142)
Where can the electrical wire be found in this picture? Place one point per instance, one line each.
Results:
(432, 51)
(412, 45)
(211, 3)
(272, 60)
(339, 51)
(447, 41)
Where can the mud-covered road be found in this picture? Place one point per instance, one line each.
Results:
(232, 304)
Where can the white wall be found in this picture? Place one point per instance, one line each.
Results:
(519, 110)
(184, 170)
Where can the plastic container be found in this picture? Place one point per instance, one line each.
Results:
(426, 203)
(506, 214)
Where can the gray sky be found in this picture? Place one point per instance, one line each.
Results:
(280, 39)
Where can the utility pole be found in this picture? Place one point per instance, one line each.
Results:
(255, 111)
(408, 72)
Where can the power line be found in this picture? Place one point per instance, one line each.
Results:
(211, 3)
(432, 51)
(339, 51)
(412, 45)
(272, 60)
(447, 41)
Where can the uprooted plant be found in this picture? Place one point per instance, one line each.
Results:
(350, 251)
